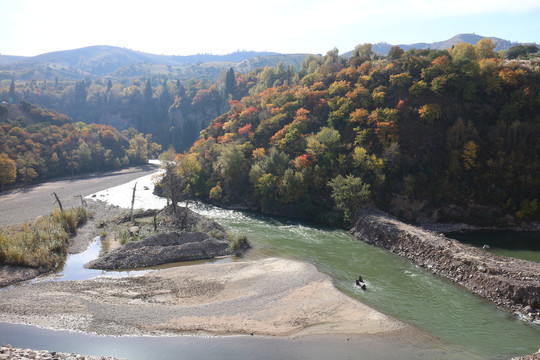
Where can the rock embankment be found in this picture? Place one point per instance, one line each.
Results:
(509, 282)
(8, 352)
(535, 356)
(163, 248)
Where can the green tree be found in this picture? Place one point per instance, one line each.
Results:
(463, 52)
(171, 182)
(85, 155)
(26, 164)
(148, 91)
(521, 50)
(230, 82)
(232, 166)
(138, 149)
(11, 94)
(80, 93)
(363, 50)
(8, 170)
(395, 52)
(350, 194)
(484, 49)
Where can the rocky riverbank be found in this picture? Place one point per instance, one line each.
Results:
(535, 356)
(161, 237)
(508, 282)
(164, 248)
(8, 352)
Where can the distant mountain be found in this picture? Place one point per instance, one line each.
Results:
(101, 61)
(121, 63)
(271, 60)
(500, 44)
(7, 59)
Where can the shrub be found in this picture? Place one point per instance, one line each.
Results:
(42, 243)
(236, 240)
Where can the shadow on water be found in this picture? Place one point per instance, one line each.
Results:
(522, 245)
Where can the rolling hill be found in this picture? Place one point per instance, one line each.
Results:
(108, 61)
(121, 63)
(500, 44)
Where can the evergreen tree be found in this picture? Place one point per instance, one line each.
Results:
(148, 91)
(230, 82)
(12, 92)
(80, 93)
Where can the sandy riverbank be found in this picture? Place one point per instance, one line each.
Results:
(21, 205)
(267, 297)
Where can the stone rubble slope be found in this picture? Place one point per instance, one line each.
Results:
(508, 282)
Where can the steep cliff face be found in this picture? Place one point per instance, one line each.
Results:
(509, 282)
(188, 121)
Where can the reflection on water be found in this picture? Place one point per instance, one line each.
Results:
(73, 268)
(372, 347)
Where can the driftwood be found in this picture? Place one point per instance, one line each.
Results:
(83, 202)
(132, 202)
(58, 201)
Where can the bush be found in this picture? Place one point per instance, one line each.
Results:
(42, 243)
(236, 241)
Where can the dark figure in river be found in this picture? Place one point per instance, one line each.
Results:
(360, 282)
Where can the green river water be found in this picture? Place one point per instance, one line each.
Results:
(394, 285)
(461, 325)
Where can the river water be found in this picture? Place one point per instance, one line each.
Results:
(522, 245)
(463, 325)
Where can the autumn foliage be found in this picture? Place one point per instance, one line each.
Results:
(451, 130)
(37, 143)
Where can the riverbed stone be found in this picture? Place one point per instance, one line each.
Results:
(509, 282)
(163, 248)
(8, 352)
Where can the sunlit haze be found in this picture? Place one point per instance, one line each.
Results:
(32, 27)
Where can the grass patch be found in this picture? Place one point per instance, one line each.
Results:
(42, 243)
(236, 240)
(124, 237)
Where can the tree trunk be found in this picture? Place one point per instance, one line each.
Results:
(132, 203)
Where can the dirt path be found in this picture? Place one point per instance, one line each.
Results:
(266, 297)
(21, 205)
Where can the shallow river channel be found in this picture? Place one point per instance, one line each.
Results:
(460, 325)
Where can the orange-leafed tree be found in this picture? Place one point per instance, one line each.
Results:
(8, 170)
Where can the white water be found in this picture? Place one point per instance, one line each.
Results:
(396, 287)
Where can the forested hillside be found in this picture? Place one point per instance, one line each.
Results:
(436, 135)
(37, 143)
(173, 112)
(426, 134)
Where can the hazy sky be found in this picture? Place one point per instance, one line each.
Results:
(32, 27)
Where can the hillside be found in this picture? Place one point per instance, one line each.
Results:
(115, 62)
(36, 144)
(429, 135)
(500, 44)
(121, 63)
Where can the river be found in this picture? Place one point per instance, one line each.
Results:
(464, 326)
